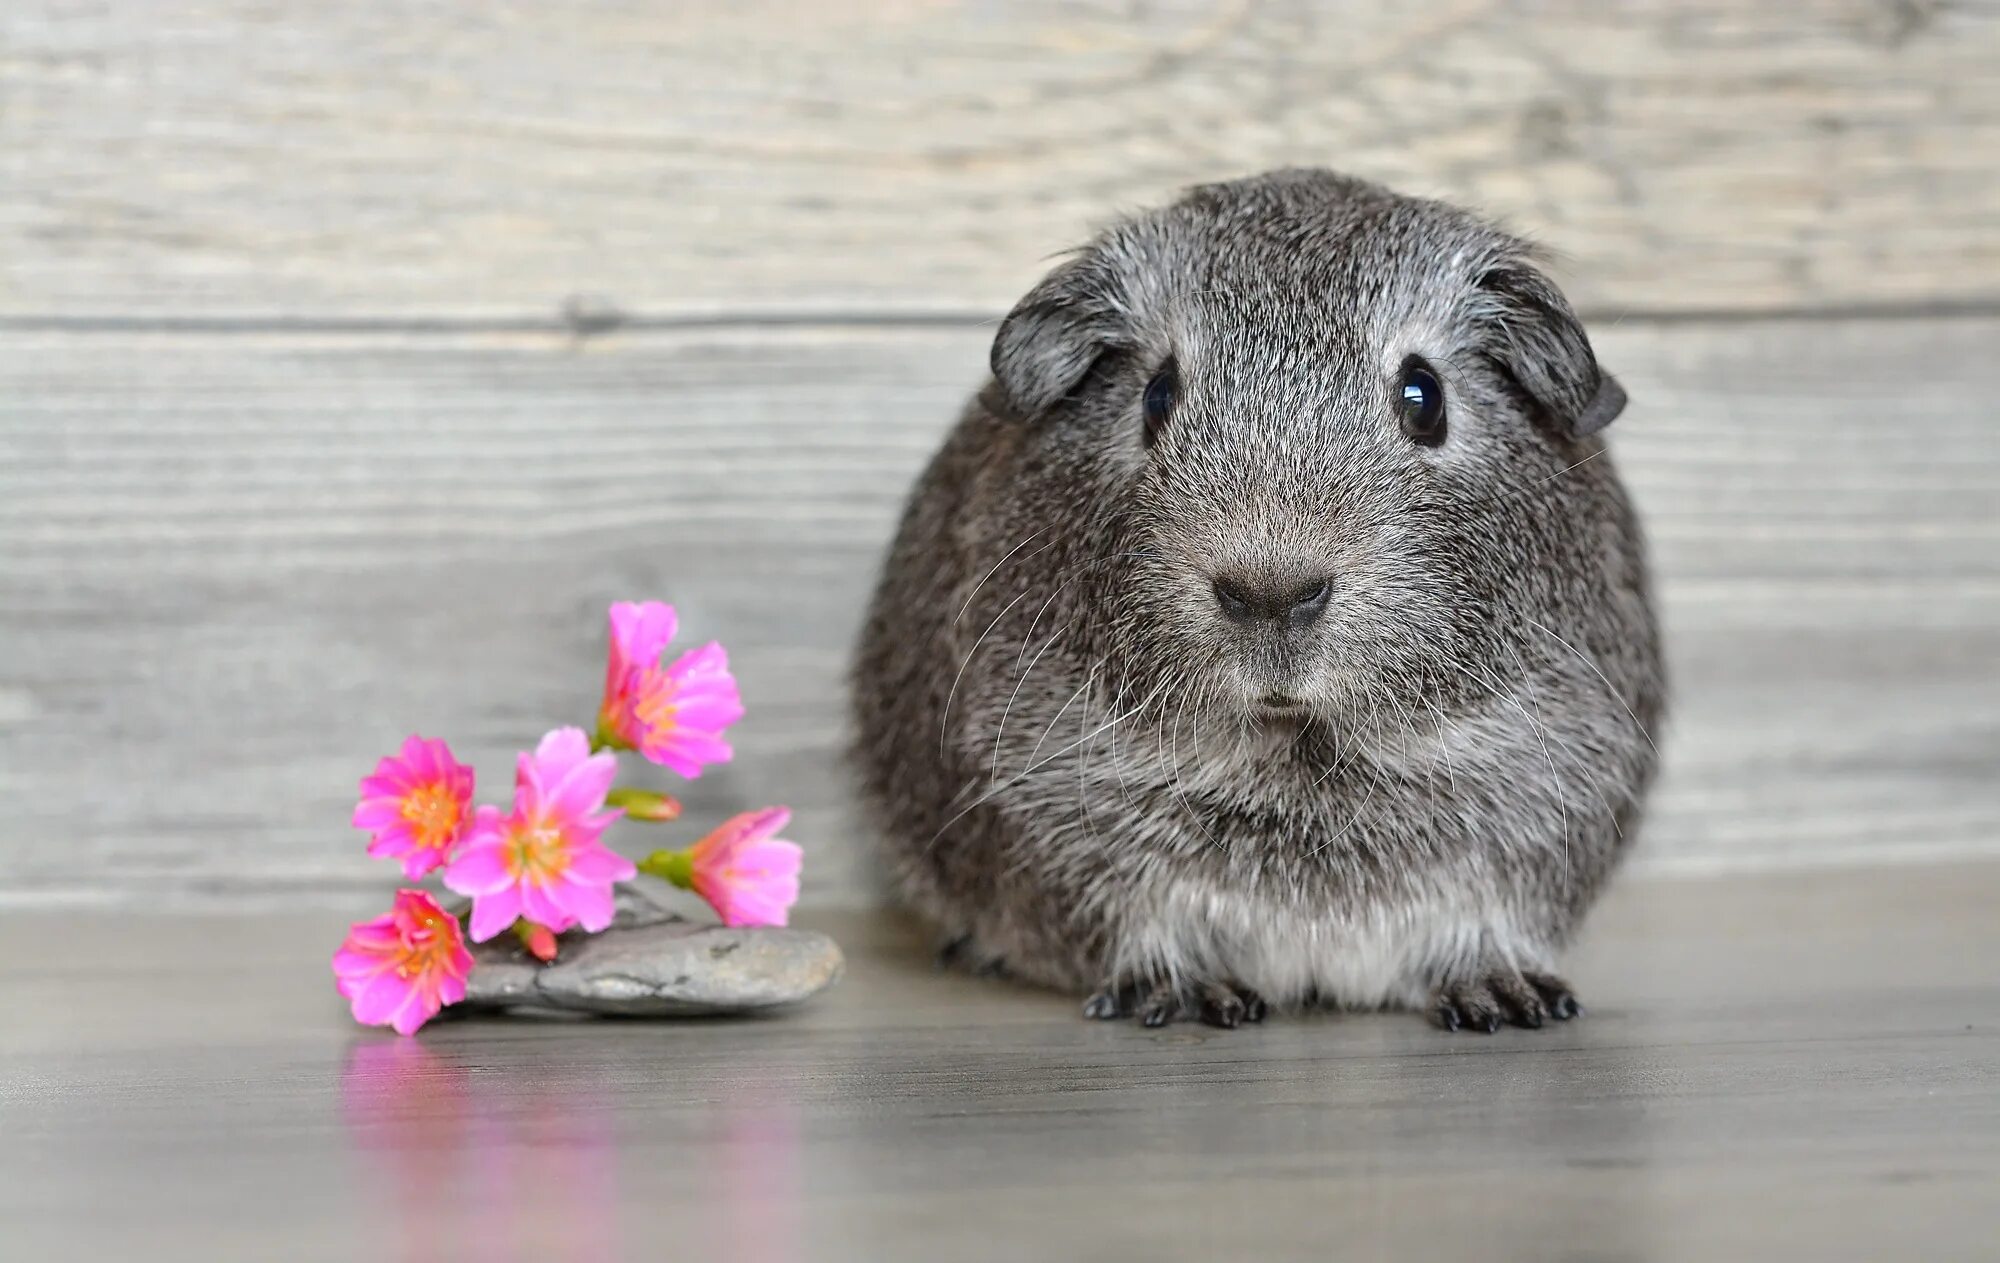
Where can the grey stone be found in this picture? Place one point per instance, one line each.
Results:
(655, 963)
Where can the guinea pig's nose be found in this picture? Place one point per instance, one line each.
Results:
(1245, 599)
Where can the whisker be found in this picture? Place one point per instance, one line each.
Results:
(1117, 762)
(1609, 687)
(1180, 782)
(1083, 764)
(1056, 719)
(1410, 730)
(1001, 732)
(1562, 791)
(1535, 725)
(1444, 746)
(1072, 572)
(1582, 765)
(1345, 755)
(944, 718)
(1025, 772)
(1374, 783)
(1502, 497)
(1566, 468)
(996, 569)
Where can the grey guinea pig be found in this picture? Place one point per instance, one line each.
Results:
(1273, 628)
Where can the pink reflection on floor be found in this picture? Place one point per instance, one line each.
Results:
(759, 1169)
(462, 1162)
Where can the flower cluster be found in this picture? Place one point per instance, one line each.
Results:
(542, 868)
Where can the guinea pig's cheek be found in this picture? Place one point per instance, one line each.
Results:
(1194, 632)
(1365, 619)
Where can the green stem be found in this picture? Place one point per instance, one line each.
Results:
(671, 866)
(602, 738)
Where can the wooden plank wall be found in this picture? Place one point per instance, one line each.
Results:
(353, 356)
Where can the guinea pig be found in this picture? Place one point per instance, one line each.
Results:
(1272, 630)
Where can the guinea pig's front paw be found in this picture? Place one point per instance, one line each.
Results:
(1156, 1004)
(1500, 997)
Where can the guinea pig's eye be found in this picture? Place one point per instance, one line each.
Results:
(1421, 405)
(1161, 393)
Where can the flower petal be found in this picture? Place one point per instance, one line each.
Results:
(352, 961)
(599, 866)
(705, 664)
(479, 871)
(391, 842)
(581, 789)
(493, 913)
(375, 1003)
(547, 905)
(707, 712)
(414, 1012)
(419, 860)
(559, 752)
(451, 986)
(378, 813)
(747, 827)
(641, 631)
(686, 753)
(592, 906)
(391, 780)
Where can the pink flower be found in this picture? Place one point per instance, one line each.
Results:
(673, 716)
(544, 862)
(400, 969)
(417, 805)
(747, 874)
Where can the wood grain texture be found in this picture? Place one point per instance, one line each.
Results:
(233, 569)
(234, 158)
(1798, 1066)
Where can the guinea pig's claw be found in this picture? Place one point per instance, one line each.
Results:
(1555, 995)
(1102, 1006)
(1223, 1009)
(1503, 997)
(1229, 1007)
(1162, 1006)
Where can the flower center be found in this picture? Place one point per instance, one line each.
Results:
(432, 814)
(425, 946)
(657, 706)
(538, 852)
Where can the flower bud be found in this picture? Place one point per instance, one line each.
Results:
(538, 939)
(644, 804)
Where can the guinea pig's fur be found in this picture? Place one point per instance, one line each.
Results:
(1093, 772)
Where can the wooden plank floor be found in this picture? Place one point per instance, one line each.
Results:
(1779, 1067)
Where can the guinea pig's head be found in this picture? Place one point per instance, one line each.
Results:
(1332, 445)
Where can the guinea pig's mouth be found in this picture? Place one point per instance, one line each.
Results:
(1279, 704)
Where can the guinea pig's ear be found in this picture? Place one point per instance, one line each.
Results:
(1536, 337)
(1049, 342)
